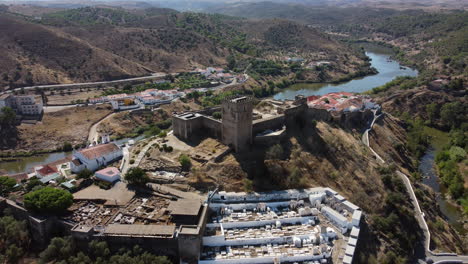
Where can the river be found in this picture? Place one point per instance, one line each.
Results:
(380, 59)
(431, 179)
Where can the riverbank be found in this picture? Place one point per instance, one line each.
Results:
(387, 69)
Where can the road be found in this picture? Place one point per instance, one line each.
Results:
(431, 257)
(71, 85)
(93, 135)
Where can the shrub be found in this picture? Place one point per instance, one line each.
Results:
(185, 162)
(48, 200)
(216, 115)
(248, 185)
(274, 152)
(162, 134)
(132, 161)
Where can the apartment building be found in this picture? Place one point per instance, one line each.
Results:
(22, 104)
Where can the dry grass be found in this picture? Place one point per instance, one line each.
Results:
(69, 125)
(68, 96)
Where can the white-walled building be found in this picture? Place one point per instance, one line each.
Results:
(95, 157)
(110, 174)
(22, 104)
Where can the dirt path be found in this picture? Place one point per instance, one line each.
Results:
(93, 135)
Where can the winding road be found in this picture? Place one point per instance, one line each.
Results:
(431, 257)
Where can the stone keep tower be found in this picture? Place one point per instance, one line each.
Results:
(237, 122)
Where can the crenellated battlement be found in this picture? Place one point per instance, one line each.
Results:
(238, 102)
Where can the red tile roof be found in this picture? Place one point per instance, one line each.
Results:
(99, 151)
(46, 170)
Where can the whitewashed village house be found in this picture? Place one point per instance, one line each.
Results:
(95, 157)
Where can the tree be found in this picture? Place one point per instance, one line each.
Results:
(67, 146)
(7, 117)
(185, 162)
(432, 111)
(136, 176)
(48, 200)
(454, 113)
(14, 238)
(84, 174)
(231, 62)
(33, 182)
(58, 249)
(6, 185)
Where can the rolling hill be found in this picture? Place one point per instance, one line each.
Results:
(102, 43)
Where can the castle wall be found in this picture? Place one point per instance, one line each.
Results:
(190, 238)
(184, 128)
(209, 111)
(42, 230)
(212, 126)
(318, 114)
(272, 123)
(269, 140)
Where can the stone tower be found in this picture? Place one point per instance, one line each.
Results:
(237, 122)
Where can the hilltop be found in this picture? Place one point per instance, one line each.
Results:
(101, 43)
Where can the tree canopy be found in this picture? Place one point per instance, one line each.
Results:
(64, 250)
(7, 116)
(136, 176)
(6, 184)
(48, 200)
(14, 239)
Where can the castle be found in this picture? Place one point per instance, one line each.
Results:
(234, 130)
(240, 126)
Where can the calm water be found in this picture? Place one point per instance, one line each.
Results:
(25, 163)
(430, 178)
(380, 59)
